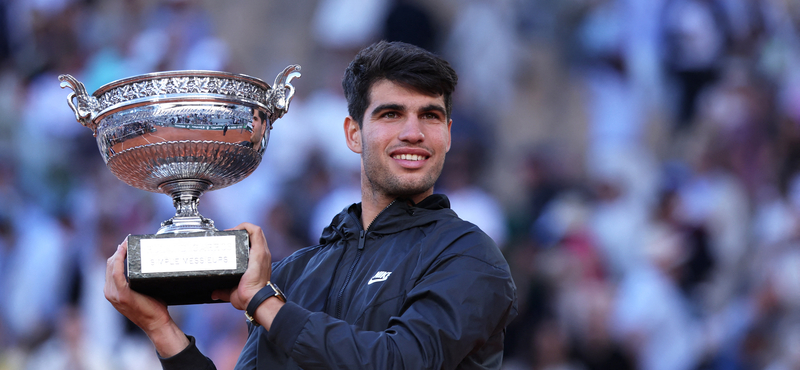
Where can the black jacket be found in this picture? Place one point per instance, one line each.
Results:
(419, 289)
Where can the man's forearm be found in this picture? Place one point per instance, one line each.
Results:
(169, 339)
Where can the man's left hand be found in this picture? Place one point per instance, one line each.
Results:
(259, 270)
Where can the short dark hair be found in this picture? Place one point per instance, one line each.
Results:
(401, 63)
(263, 115)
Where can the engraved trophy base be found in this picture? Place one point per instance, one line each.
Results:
(185, 268)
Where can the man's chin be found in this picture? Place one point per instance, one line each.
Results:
(404, 185)
(410, 190)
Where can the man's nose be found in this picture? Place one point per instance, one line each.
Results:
(412, 131)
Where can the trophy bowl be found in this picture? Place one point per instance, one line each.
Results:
(183, 133)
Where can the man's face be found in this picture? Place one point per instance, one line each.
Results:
(258, 130)
(402, 142)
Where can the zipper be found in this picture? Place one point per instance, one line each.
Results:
(362, 238)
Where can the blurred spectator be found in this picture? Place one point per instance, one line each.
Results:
(5, 48)
(278, 229)
(30, 313)
(696, 38)
(363, 24)
(186, 25)
(343, 195)
(737, 112)
(595, 346)
(467, 199)
(624, 184)
(745, 19)
(542, 183)
(712, 198)
(482, 48)
(652, 316)
(68, 349)
(409, 21)
(616, 113)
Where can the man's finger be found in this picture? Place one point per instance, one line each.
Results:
(255, 233)
(111, 288)
(256, 239)
(221, 295)
(118, 266)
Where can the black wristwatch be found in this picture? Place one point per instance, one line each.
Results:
(269, 290)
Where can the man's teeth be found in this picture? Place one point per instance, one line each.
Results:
(409, 157)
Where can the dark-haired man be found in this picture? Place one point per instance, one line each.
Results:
(398, 281)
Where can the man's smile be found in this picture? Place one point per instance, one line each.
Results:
(410, 157)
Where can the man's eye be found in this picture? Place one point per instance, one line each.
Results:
(431, 116)
(390, 114)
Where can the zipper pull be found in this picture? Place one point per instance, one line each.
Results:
(361, 239)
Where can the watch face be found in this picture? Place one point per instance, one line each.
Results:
(278, 292)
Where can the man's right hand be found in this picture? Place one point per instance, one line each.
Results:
(148, 313)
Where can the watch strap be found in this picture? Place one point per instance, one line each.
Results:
(269, 290)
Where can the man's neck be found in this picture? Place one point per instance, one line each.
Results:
(373, 204)
(371, 207)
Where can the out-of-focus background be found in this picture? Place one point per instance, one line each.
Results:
(636, 161)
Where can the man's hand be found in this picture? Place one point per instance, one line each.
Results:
(259, 270)
(148, 313)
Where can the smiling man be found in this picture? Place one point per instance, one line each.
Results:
(402, 143)
(398, 281)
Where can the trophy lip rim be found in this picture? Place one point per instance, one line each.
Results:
(183, 98)
(173, 73)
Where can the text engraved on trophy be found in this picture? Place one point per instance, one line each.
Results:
(205, 253)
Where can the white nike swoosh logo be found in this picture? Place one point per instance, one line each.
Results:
(376, 280)
(379, 276)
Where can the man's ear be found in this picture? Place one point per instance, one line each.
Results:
(352, 133)
(449, 125)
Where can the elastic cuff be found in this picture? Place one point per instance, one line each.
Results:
(189, 358)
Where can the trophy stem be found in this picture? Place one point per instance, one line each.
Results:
(186, 196)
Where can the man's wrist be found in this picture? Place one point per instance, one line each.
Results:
(169, 340)
(266, 312)
(268, 292)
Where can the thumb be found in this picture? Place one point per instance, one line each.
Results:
(221, 295)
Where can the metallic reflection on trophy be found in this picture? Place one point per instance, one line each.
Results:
(183, 133)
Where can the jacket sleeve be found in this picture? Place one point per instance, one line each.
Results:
(188, 359)
(452, 310)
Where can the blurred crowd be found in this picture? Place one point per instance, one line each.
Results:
(638, 163)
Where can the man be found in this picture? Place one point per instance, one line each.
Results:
(398, 280)
(259, 127)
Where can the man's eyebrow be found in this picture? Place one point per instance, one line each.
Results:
(388, 106)
(401, 108)
(434, 108)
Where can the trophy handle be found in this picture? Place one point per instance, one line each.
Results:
(282, 91)
(86, 105)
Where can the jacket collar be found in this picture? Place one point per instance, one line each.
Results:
(400, 215)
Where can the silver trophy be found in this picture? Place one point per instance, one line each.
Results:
(183, 133)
